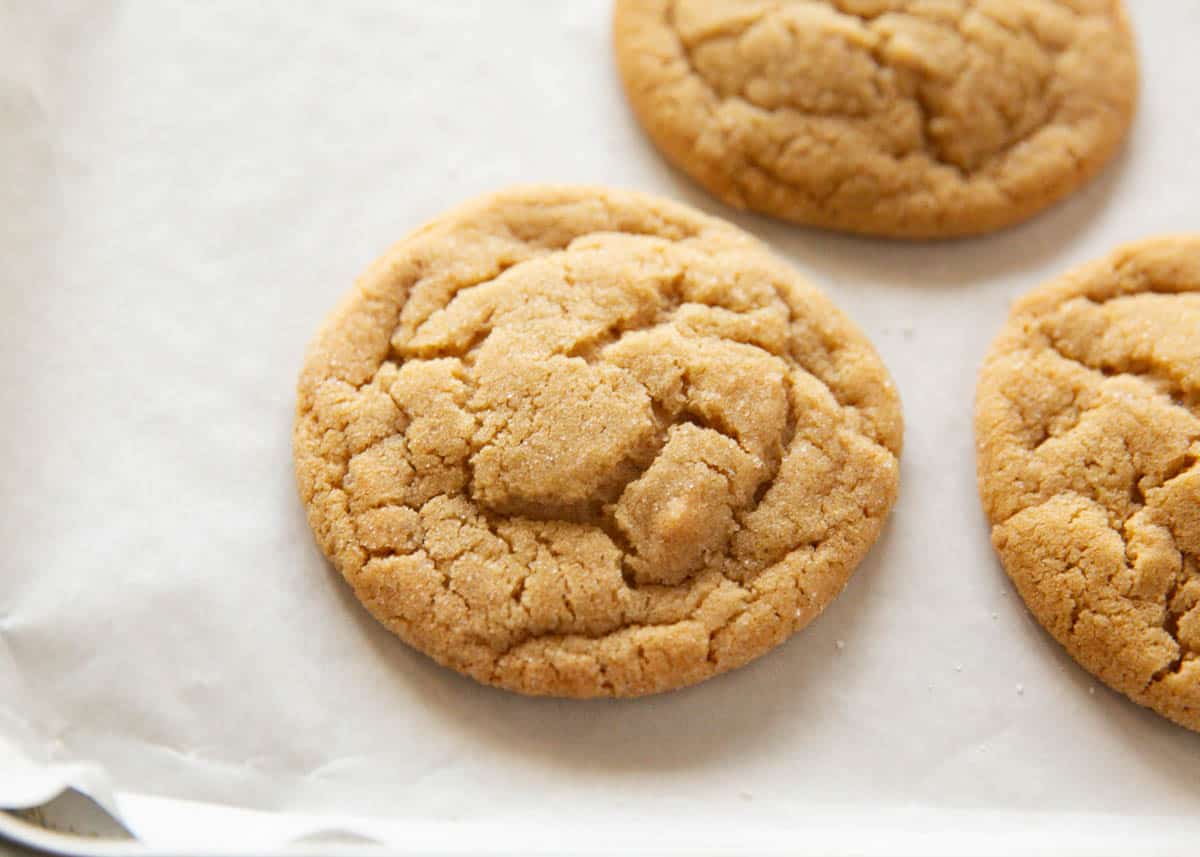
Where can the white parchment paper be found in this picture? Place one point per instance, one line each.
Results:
(186, 189)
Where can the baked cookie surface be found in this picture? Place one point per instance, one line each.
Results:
(1088, 433)
(582, 442)
(905, 118)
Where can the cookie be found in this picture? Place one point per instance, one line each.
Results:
(582, 442)
(904, 118)
(1088, 432)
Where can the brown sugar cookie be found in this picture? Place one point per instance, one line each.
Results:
(905, 118)
(1088, 432)
(584, 442)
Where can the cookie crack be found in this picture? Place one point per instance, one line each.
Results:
(502, 269)
(874, 438)
(1162, 385)
(505, 651)
(1081, 605)
(919, 98)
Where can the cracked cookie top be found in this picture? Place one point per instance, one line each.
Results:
(583, 442)
(1088, 431)
(907, 118)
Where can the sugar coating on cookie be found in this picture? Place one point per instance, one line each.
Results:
(904, 118)
(1088, 432)
(582, 442)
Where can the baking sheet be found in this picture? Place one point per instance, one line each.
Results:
(187, 189)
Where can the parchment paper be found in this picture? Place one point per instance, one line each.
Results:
(186, 189)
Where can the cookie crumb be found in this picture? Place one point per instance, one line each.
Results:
(840, 644)
(1020, 690)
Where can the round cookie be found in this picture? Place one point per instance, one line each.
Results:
(582, 442)
(1088, 433)
(903, 118)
